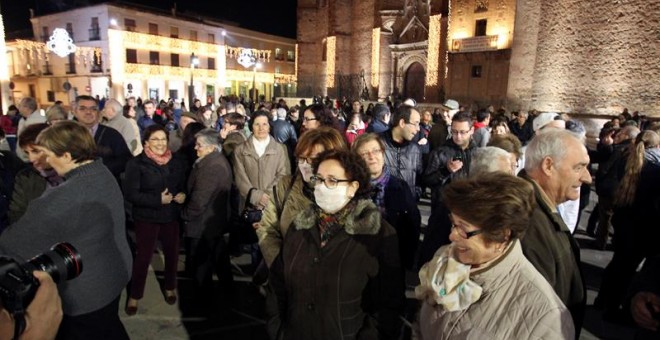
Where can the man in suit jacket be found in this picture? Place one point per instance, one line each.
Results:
(110, 144)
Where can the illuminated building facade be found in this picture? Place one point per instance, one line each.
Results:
(133, 51)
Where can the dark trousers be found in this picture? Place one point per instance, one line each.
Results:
(146, 235)
(101, 324)
(205, 256)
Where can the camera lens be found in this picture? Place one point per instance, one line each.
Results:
(62, 262)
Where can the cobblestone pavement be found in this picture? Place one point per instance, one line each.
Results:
(241, 315)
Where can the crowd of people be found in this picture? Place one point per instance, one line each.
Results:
(336, 187)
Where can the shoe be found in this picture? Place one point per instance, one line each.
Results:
(131, 308)
(170, 297)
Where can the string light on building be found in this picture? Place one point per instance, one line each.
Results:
(331, 44)
(446, 73)
(433, 60)
(375, 56)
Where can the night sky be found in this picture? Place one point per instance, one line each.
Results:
(276, 17)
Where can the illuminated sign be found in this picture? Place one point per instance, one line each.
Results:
(60, 43)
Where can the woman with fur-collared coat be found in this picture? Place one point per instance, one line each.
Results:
(338, 275)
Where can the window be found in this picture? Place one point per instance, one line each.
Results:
(211, 38)
(193, 35)
(278, 70)
(45, 34)
(131, 56)
(94, 31)
(476, 71)
(69, 28)
(211, 64)
(290, 56)
(129, 24)
(154, 58)
(174, 32)
(153, 28)
(174, 59)
(480, 28)
(97, 64)
(278, 54)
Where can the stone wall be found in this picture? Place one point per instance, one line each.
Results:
(586, 56)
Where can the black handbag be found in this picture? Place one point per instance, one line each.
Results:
(251, 214)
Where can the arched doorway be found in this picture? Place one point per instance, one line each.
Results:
(414, 82)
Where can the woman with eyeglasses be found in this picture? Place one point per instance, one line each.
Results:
(391, 195)
(154, 186)
(318, 115)
(481, 286)
(338, 274)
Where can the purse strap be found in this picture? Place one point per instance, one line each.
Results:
(249, 195)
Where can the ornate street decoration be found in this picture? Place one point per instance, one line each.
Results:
(246, 59)
(60, 43)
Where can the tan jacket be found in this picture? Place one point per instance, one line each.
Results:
(262, 173)
(272, 231)
(516, 303)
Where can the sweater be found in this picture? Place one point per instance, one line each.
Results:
(87, 210)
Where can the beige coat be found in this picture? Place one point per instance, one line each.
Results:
(272, 231)
(516, 303)
(262, 173)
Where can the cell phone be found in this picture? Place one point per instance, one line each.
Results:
(457, 157)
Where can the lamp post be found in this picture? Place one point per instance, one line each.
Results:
(254, 83)
(194, 61)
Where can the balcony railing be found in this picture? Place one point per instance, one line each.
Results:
(96, 68)
(70, 68)
(94, 34)
(47, 71)
(475, 44)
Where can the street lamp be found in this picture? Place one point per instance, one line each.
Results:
(194, 61)
(254, 83)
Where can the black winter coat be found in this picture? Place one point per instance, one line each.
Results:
(402, 213)
(145, 181)
(404, 161)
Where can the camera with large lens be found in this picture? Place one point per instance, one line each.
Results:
(17, 284)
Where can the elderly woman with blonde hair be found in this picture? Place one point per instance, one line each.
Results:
(481, 286)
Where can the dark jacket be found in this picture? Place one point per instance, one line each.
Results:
(524, 133)
(10, 166)
(549, 245)
(401, 212)
(436, 174)
(377, 126)
(404, 160)
(28, 185)
(611, 171)
(207, 205)
(144, 182)
(350, 289)
(438, 135)
(284, 132)
(87, 211)
(112, 148)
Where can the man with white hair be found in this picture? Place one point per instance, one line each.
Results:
(285, 133)
(113, 116)
(490, 159)
(556, 165)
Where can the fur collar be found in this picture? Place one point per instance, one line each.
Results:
(364, 219)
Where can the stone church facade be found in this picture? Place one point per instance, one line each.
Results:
(563, 55)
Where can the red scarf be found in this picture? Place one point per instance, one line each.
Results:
(160, 160)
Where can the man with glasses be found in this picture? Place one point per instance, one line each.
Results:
(110, 145)
(402, 155)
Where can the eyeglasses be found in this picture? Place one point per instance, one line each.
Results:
(416, 125)
(307, 119)
(461, 231)
(308, 160)
(460, 132)
(154, 140)
(87, 108)
(373, 152)
(330, 183)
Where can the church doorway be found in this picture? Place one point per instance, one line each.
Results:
(414, 82)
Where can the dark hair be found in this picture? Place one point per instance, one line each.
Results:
(482, 115)
(257, 114)
(354, 166)
(71, 137)
(29, 135)
(328, 137)
(235, 118)
(323, 115)
(151, 129)
(86, 97)
(402, 112)
(188, 136)
(495, 202)
(462, 117)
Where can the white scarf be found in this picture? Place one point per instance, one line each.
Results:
(259, 146)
